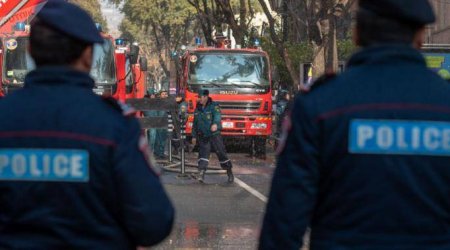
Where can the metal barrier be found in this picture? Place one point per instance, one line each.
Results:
(170, 133)
(182, 140)
(173, 164)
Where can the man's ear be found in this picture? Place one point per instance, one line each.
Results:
(419, 38)
(87, 57)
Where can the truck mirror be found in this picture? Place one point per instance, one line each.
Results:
(143, 63)
(134, 52)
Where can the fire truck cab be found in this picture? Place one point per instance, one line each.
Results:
(16, 62)
(239, 81)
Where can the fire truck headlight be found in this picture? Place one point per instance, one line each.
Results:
(259, 125)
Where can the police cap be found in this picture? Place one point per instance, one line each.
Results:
(70, 20)
(203, 92)
(418, 12)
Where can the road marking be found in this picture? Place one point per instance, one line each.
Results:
(251, 190)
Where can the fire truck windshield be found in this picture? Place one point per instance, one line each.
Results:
(17, 60)
(103, 68)
(229, 69)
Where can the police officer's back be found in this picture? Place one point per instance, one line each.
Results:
(72, 168)
(367, 156)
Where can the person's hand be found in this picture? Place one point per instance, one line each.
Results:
(194, 141)
(214, 128)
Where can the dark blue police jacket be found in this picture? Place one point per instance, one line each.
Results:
(72, 172)
(366, 164)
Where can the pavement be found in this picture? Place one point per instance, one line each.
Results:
(216, 214)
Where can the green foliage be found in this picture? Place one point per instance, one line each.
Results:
(302, 53)
(162, 12)
(161, 26)
(94, 9)
(256, 7)
(165, 18)
(345, 49)
(299, 53)
(130, 31)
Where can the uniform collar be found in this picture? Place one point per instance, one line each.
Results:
(57, 75)
(385, 54)
(207, 103)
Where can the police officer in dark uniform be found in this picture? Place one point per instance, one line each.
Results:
(161, 133)
(206, 128)
(366, 160)
(73, 172)
(280, 110)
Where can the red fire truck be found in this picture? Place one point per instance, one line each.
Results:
(240, 81)
(130, 74)
(16, 63)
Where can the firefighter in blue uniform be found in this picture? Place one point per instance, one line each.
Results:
(366, 160)
(206, 128)
(73, 171)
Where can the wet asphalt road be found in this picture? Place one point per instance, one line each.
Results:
(218, 215)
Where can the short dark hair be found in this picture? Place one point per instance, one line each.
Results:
(374, 29)
(51, 47)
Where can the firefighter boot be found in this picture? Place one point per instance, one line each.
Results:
(201, 176)
(230, 175)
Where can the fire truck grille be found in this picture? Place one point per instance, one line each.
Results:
(253, 105)
(240, 125)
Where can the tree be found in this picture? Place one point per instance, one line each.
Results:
(322, 19)
(94, 9)
(209, 18)
(314, 21)
(280, 45)
(159, 26)
(305, 30)
(237, 14)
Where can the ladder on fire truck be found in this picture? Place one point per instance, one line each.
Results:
(13, 10)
